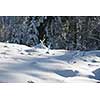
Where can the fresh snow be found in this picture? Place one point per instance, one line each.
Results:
(23, 64)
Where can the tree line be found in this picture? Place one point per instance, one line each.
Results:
(60, 32)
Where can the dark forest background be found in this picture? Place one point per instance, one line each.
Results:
(58, 32)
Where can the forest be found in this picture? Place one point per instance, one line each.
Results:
(58, 32)
(58, 49)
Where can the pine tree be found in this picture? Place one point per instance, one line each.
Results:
(58, 32)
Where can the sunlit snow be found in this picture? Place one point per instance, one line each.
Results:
(22, 64)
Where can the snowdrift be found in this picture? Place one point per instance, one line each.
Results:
(22, 64)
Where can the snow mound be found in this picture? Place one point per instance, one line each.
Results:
(20, 63)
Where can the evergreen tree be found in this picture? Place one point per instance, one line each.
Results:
(57, 32)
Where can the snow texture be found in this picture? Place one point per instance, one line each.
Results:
(23, 64)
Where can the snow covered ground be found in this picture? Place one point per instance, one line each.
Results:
(22, 64)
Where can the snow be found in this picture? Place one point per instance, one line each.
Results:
(23, 64)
